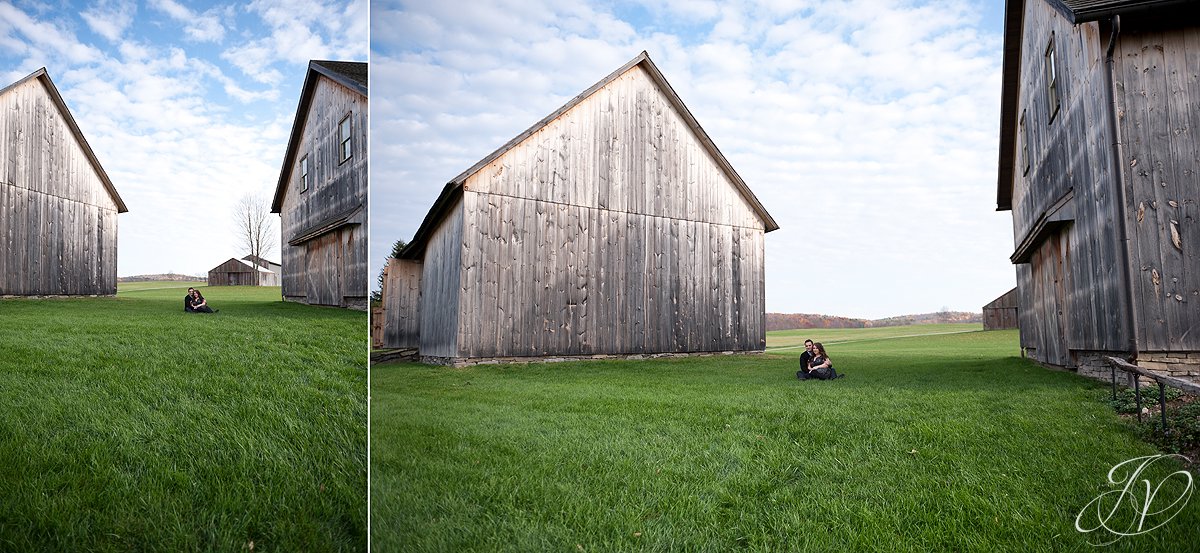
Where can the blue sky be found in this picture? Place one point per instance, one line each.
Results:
(867, 128)
(187, 105)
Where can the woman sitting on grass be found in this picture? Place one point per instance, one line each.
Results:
(199, 304)
(821, 367)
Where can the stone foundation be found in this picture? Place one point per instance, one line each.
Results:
(355, 303)
(393, 355)
(473, 361)
(1092, 365)
(1179, 364)
(1184, 365)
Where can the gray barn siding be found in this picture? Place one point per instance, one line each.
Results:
(623, 149)
(1001, 313)
(401, 304)
(571, 280)
(1158, 86)
(330, 269)
(442, 274)
(58, 223)
(1070, 154)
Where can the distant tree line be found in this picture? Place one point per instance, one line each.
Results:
(788, 321)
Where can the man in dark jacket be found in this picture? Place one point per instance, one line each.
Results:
(187, 302)
(805, 357)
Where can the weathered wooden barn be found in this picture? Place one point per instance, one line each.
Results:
(1001, 313)
(58, 208)
(613, 226)
(1099, 161)
(321, 195)
(245, 272)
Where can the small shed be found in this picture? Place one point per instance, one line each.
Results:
(1001, 314)
(242, 272)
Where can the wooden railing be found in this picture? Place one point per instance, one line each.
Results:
(1162, 380)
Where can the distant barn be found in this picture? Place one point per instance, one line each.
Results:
(1001, 314)
(58, 209)
(321, 195)
(247, 271)
(613, 226)
(1099, 134)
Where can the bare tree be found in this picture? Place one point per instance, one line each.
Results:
(255, 229)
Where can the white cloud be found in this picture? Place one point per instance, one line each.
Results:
(298, 32)
(202, 27)
(44, 39)
(110, 19)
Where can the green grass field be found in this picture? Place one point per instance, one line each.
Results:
(129, 425)
(784, 340)
(947, 442)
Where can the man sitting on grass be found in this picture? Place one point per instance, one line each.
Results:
(805, 358)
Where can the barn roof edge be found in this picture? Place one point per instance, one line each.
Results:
(453, 188)
(44, 76)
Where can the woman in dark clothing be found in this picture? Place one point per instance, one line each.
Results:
(199, 304)
(821, 366)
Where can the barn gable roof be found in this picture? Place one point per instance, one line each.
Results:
(262, 262)
(1076, 11)
(351, 74)
(55, 97)
(246, 266)
(453, 189)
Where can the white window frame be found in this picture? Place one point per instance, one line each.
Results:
(345, 142)
(304, 171)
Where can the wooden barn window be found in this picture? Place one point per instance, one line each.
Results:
(1052, 100)
(1024, 145)
(304, 174)
(344, 139)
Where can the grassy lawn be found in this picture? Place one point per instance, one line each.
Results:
(794, 339)
(129, 425)
(946, 442)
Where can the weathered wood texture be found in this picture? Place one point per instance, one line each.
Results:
(1050, 306)
(1026, 320)
(235, 272)
(542, 278)
(623, 149)
(610, 230)
(401, 304)
(1001, 313)
(377, 317)
(1158, 96)
(58, 224)
(441, 287)
(1070, 158)
(331, 267)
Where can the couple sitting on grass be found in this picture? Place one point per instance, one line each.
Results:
(193, 302)
(815, 363)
